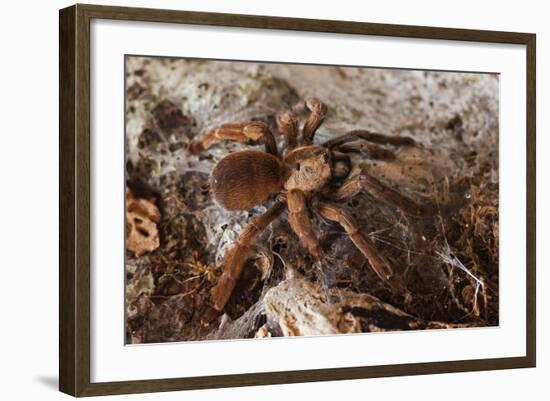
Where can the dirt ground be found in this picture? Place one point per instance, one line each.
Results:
(448, 260)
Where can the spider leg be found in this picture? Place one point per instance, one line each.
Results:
(318, 111)
(369, 136)
(300, 222)
(237, 256)
(341, 164)
(367, 149)
(379, 263)
(364, 181)
(287, 122)
(257, 131)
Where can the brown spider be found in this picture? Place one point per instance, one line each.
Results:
(306, 176)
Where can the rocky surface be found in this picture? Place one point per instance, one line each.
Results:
(449, 260)
(300, 307)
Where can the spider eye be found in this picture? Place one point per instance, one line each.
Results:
(297, 166)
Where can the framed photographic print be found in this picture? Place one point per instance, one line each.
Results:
(251, 200)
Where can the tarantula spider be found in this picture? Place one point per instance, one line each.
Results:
(307, 177)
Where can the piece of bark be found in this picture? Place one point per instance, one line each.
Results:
(142, 217)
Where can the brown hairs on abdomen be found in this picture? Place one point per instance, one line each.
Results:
(245, 179)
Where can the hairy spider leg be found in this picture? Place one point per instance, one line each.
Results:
(379, 263)
(317, 114)
(287, 123)
(369, 136)
(300, 222)
(237, 256)
(367, 149)
(364, 181)
(256, 131)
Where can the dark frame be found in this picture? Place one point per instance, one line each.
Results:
(74, 199)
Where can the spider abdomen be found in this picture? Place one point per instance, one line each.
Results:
(244, 179)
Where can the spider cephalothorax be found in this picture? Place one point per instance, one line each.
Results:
(307, 177)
